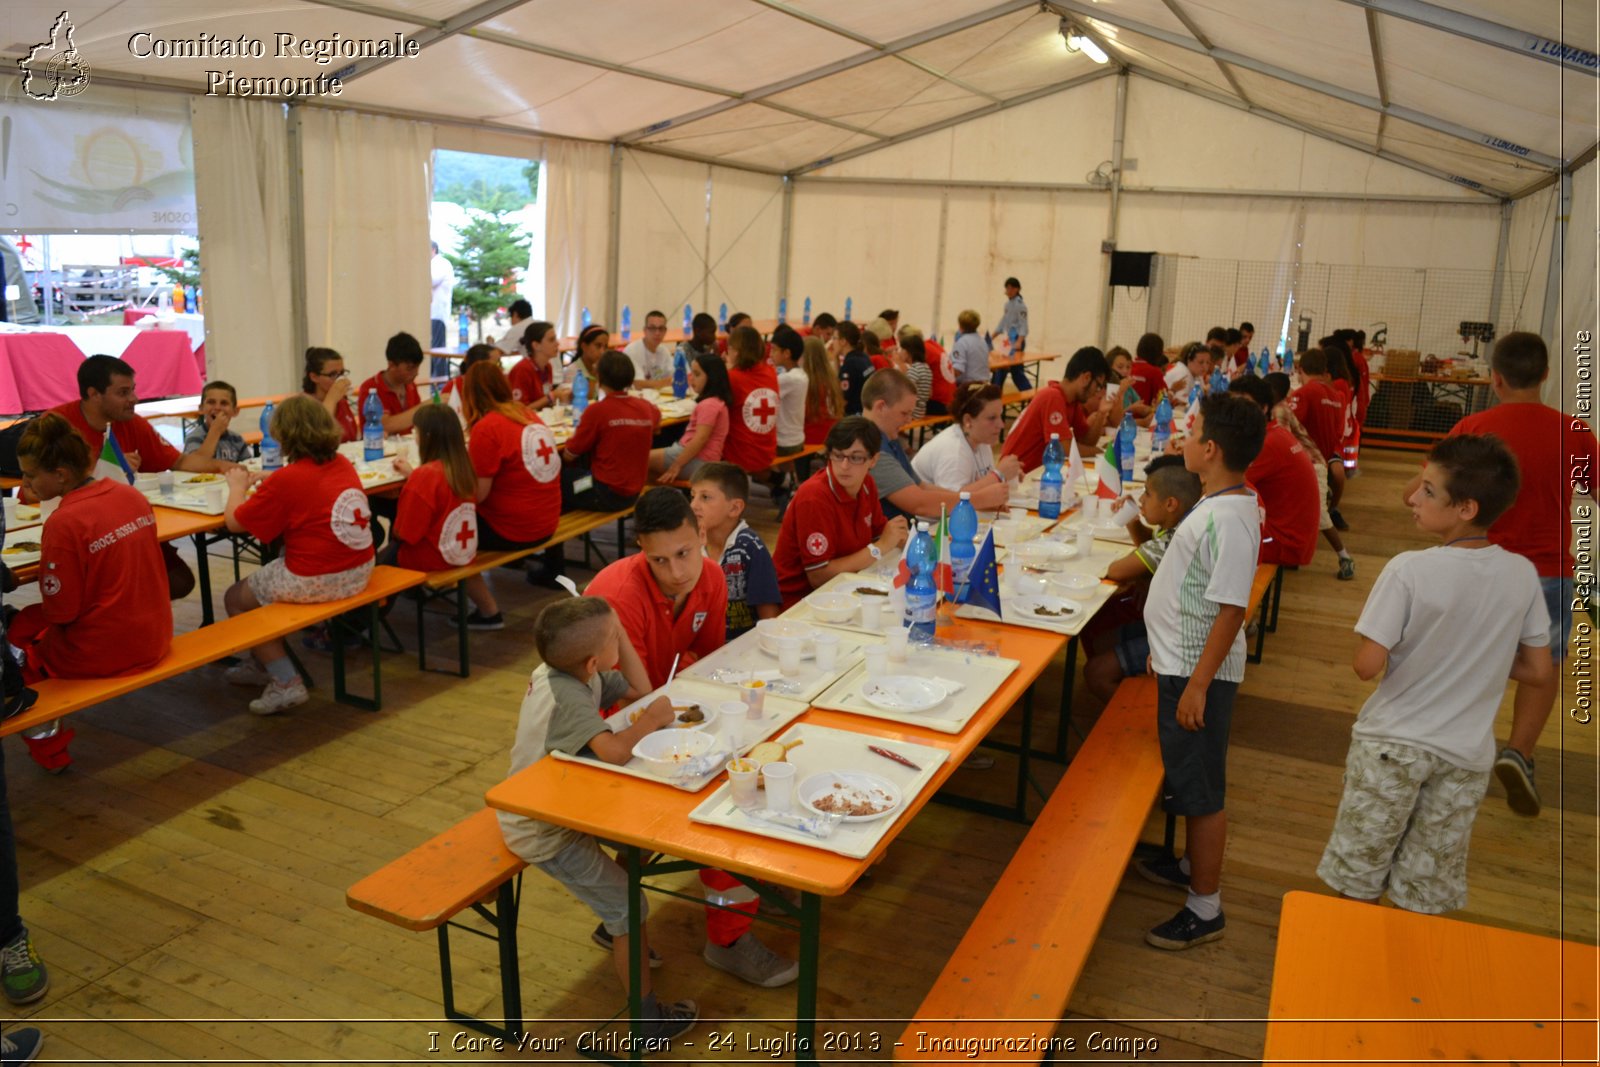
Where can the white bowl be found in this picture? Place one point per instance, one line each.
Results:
(1005, 531)
(769, 630)
(1074, 586)
(667, 752)
(834, 607)
(708, 712)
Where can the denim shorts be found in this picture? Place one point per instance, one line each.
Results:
(597, 880)
(1195, 761)
(1558, 602)
(674, 450)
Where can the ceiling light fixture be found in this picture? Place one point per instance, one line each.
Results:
(1078, 41)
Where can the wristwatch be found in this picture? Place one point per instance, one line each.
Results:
(877, 553)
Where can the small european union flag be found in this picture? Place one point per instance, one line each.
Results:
(983, 589)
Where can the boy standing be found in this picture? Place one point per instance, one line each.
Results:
(719, 493)
(210, 437)
(1195, 618)
(561, 713)
(1447, 626)
(1320, 409)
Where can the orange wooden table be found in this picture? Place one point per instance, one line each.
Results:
(1360, 984)
(647, 818)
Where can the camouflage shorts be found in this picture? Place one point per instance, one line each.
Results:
(1404, 823)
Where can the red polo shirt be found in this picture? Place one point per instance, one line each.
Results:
(823, 524)
(1049, 412)
(524, 504)
(134, 435)
(1286, 484)
(525, 384)
(647, 616)
(944, 376)
(1321, 411)
(618, 429)
(753, 418)
(392, 402)
(1148, 380)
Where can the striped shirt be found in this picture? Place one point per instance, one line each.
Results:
(1210, 562)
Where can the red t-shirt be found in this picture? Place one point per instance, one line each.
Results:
(320, 511)
(881, 362)
(822, 524)
(103, 585)
(1556, 455)
(944, 376)
(526, 387)
(1320, 410)
(753, 418)
(345, 416)
(1286, 483)
(1049, 412)
(648, 619)
(392, 403)
(817, 429)
(133, 435)
(525, 463)
(1347, 397)
(435, 529)
(1363, 378)
(618, 429)
(1147, 379)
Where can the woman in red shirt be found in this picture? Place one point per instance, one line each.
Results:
(527, 376)
(824, 395)
(316, 504)
(516, 460)
(328, 383)
(753, 415)
(104, 609)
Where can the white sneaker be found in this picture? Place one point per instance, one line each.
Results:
(277, 697)
(247, 672)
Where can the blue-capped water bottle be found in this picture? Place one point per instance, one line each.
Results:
(271, 450)
(580, 393)
(189, 300)
(688, 318)
(680, 373)
(722, 319)
(783, 309)
(1126, 433)
(1052, 484)
(1219, 382)
(588, 320)
(805, 316)
(963, 532)
(627, 322)
(1288, 360)
(372, 428)
(1161, 429)
(922, 596)
(847, 316)
(463, 324)
(1266, 361)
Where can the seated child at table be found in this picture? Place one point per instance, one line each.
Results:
(211, 437)
(576, 637)
(707, 431)
(396, 385)
(719, 493)
(1170, 490)
(610, 449)
(436, 525)
(103, 607)
(1446, 626)
(316, 504)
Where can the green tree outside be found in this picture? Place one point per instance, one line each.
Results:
(492, 251)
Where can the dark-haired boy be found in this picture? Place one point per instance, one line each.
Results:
(578, 640)
(718, 495)
(1071, 407)
(702, 337)
(610, 449)
(1446, 626)
(1557, 457)
(395, 384)
(835, 524)
(1195, 615)
(1284, 476)
(210, 437)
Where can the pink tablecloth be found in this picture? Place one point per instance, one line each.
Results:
(164, 364)
(39, 370)
(196, 335)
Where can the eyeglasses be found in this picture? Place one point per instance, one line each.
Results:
(336, 377)
(855, 459)
(655, 329)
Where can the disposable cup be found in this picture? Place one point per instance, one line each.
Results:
(1091, 510)
(789, 656)
(872, 613)
(827, 645)
(877, 657)
(216, 497)
(147, 483)
(1019, 513)
(780, 786)
(1085, 541)
(896, 643)
(743, 776)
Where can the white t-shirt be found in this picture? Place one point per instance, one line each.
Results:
(444, 283)
(510, 342)
(949, 462)
(792, 385)
(1452, 619)
(1211, 562)
(1178, 379)
(647, 365)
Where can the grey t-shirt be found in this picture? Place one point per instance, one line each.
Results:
(893, 473)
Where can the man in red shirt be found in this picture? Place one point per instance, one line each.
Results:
(672, 601)
(1321, 410)
(1557, 458)
(1286, 484)
(615, 433)
(835, 524)
(395, 384)
(1070, 406)
(1148, 374)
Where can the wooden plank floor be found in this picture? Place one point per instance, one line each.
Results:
(185, 880)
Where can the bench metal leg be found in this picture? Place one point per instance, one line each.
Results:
(1254, 655)
(457, 593)
(503, 919)
(202, 563)
(336, 632)
(1277, 599)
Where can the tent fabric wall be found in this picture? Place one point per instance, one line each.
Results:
(242, 192)
(367, 183)
(577, 231)
(746, 227)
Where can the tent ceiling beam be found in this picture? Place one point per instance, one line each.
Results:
(1484, 31)
(1133, 190)
(956, 120)
(1378, 73)
(1195, 32)
(695, 157)
(1579, 161)
(933, 33)
(1338, 92)
(378, 12)
(1284, 120)
(434, 34)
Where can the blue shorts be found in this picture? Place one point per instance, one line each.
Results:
(1558, 602)
(1133, 649)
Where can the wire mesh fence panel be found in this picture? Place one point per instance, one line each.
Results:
(1129, 308)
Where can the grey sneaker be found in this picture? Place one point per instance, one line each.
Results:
(1347, 569)
(22, 1046)
(674, 1019)
(22, 972)
(1163, 871)
(1186, 930)
(1515, 772)
(749, 959)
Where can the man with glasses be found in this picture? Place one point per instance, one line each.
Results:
(835, 524)
(652, 357)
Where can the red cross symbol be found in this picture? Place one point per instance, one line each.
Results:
(359, 519)
(544, 451)
(764, 410)
(465, 534)
(23, 244)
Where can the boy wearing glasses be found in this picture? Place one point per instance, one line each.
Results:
(651, 355)
(835, 524)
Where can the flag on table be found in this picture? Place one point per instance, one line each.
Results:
(944, 575)
(983, 590)
(112, 463)
(1110, 474)
(1075, 471)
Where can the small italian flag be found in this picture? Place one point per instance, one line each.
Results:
(943, 572)
(112, 463)
(1110, 474)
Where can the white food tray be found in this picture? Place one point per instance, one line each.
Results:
(743, 659)
(845, 583)
(980, 675)
(1070, 626)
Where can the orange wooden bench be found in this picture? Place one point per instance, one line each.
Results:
(63, 696)
(1266, 591)
(433, 883)
(1022, 955)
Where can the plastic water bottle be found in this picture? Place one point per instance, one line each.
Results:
(199, 300)
(680, 374)
(627, 322)
(963, 532)
(372, 428)
(847, 317)
(1219, 382)
(580, 394)
(1288, 360)
(1052, 485)
(588, 320)
(922, 596)
(1125, 437)
(1011, 335)
(188, 298)
(271, 451)
(783, 309)
(722, 319)
(688, 318)
(1161, 429)
(462, 324)
(805, 318)
(1266, 361)
(1193, 408)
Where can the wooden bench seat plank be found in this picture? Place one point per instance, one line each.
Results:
(439, 878)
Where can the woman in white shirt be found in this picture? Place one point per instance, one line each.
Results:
(1194, 366)
(963, 452)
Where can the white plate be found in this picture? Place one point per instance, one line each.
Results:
(202, 480)
(30, 535)
(707, 709)
(903, 693)
(1061, 608)
(856, 585)
(769, 630)
(854, 785)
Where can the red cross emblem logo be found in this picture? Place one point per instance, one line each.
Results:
(761, 411)
(1055, 418)
(458, 535)
(817, 543)
(539, 453)
(351, 520)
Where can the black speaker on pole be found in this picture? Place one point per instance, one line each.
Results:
(1131, 269)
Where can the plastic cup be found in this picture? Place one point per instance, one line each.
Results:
(897, 642)
(754, 695)
(743, 776)
(1019, 513)
(1091, 510)
(877, 657)
(780, 786)
(872, 613)
(732, 713)
(147, 483)
(1085, 541)
(788, 656)
(827, 645)
(166, 482)
(216, 498)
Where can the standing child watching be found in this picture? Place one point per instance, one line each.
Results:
(1195, 619)
(1279, 383)
(211, 437)
(1446, 626)
(577, 638)
(1321, 409)
(436, 526)
(707, 430)
(720, 492)
(316, 504)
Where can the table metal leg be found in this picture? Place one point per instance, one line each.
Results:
(805, 996)
(202, 563)
(1069, 677)
(635, 953)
